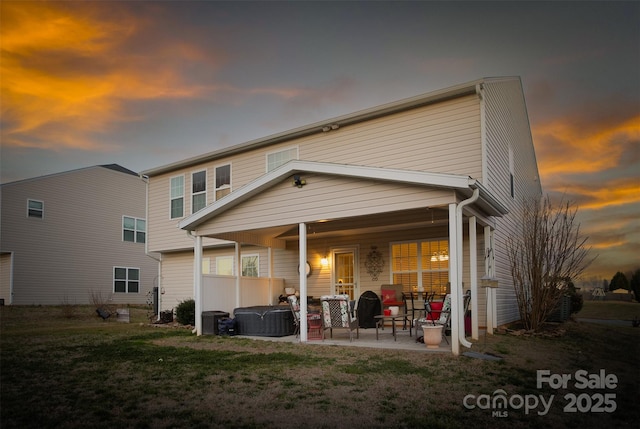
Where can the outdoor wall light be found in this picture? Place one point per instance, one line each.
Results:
(324, 261)
(297, 181)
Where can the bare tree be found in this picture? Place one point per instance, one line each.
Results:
(549, 253)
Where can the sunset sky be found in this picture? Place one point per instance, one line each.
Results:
(147, 83)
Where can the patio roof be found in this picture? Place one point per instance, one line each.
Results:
(463, 184)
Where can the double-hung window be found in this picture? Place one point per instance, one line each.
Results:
(198, 191)
(421, 265)
(223, 181)
(133, 229)
(126, 280)
(35, 209)
(276, 159)
(177, 197)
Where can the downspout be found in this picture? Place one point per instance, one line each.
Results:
(459, 302)
(145, 179)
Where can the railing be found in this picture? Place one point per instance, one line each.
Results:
(219, 292)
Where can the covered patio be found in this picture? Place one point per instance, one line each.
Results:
(304, 207)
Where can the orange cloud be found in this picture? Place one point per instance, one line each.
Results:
(66, 73)
(566, 147)
(604, 194)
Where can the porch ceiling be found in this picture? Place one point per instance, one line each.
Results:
(357, 225)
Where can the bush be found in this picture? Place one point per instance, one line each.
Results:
(186, 312)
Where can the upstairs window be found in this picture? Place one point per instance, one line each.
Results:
(134, 229)
(126, 280)
(177, 197)
(223, 181)
(35, 209)
(276, 159)
(198, 191)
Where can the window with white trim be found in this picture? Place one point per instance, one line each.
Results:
(276, 159)
(134, 229)
(223, 181)
(177, 197)
(224, 265)
(421, 265)
(126, 280)
(35, 208)
(198, 190)
(251, 265)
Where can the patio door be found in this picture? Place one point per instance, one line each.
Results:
(345, 272)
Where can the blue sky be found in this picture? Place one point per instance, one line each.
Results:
(147, 83)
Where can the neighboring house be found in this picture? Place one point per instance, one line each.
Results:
(67, 237)
(423, 192)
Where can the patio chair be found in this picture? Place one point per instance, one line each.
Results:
(295, 309)
(414, 303)
(337, 313)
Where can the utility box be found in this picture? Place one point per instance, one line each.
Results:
(210, 321)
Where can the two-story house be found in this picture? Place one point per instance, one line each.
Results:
(422, 192)
(74, 237)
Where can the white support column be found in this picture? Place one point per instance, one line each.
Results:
(238, 273)
(473, 264)
(302, 228)
(270, 273)
(197, 283)
(454, 260)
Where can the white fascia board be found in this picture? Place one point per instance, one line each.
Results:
(345, 170)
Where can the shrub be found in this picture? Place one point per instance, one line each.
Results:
(186, 312)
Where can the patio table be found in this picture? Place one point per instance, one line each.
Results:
(381, 318)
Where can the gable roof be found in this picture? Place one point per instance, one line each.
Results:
(114, 167)
(464, 184)
(457, 91)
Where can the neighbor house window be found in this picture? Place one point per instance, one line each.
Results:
(177, 197)
(133, 229)
(35, 209)
(251, 265)
(276, 159)
(421, 265)
(198, 191)
(224, 265)
(126, 280)
(223, 181)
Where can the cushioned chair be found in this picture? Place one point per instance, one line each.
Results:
(338, 313)
(391, 295)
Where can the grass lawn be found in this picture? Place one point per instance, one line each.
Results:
(73, 370)
(610, 310)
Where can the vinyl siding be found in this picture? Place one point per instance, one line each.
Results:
(444, 138)
(71, 252)
(324, 197)
(507, 125)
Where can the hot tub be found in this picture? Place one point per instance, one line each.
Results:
(264, 321)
